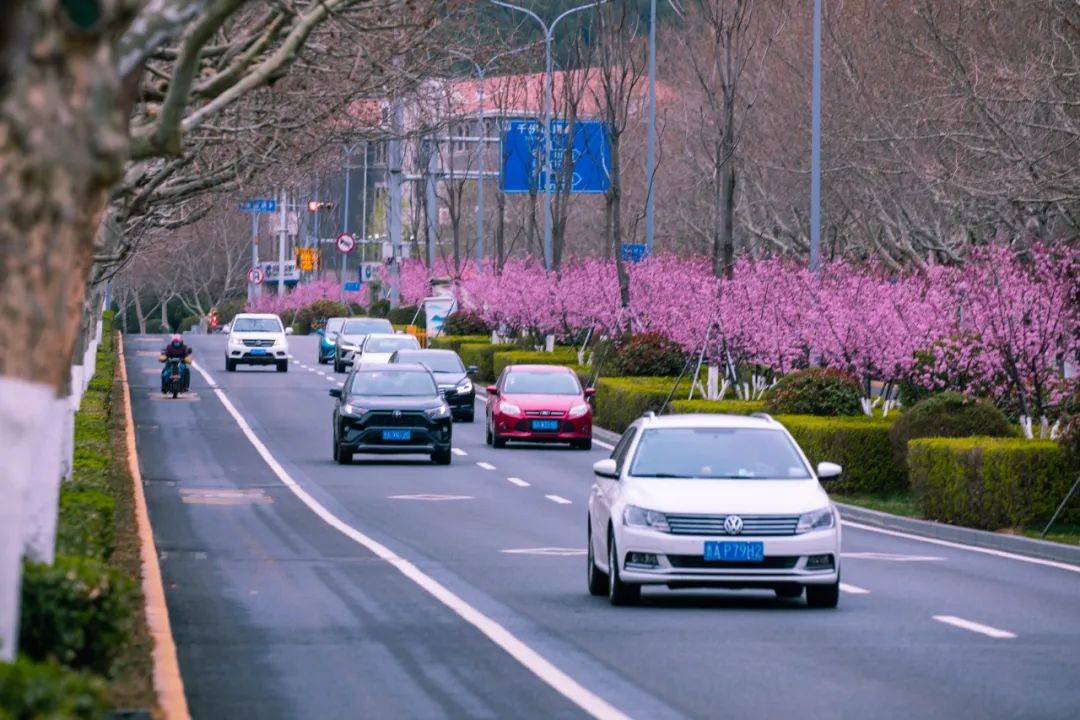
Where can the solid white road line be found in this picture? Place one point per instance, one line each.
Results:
(853, 589)
(533, 661)
(518, 481)
(485, 465)
(558, 499)
(971, 548)
(975, 627)
(458, 451)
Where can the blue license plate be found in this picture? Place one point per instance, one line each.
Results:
(397, 435)
(545, 425)
(734, 551)
(258, 351)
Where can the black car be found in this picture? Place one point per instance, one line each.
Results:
(391, 409)
(451, 375)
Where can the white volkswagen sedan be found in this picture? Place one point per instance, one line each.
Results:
(712, 501)
(378, 347)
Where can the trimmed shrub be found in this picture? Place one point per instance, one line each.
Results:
(482, 355)
(465, 322)
(859, 444)
(230, 309)
(307, 316)
(561, 356)
(77, 611)
(1069, 439)
(947, 414)
(815, 391)
(153, 326)
(649, 355)
(622, 400)
(35, 690)
(188, 322)
(725, 407)
(990, 483)
(407, 316)
(86, 522)
(454, 342)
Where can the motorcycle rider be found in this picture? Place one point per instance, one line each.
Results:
(177, 349)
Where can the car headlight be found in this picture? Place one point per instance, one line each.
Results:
(817, 520)
(436, 413)
(354, 410)
(640, 517)
(578, 410)
(509, 408)
(465, 386)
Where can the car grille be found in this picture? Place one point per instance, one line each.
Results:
(259, 343)
(697, 562)
(545, 413)
(386, 418)
(756, 525)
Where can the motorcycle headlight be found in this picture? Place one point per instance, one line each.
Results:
(354, 410)
(817, 520)
(509, 408)
(465, 386)
(578, 410)
(437, 413)
(640, 517)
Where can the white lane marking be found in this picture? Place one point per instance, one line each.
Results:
(430, 496)
(853, 589)
(321, 373)
(891, 557)
(554, 551)
(485, 465)
(971, 548)
(518, 481)
(601, 443)
(310, 370)
(458, 451)
(558, 499)
(340, 384)
(533, 661)
(975, 627)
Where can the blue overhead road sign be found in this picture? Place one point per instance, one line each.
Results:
(581, 166)
(633, 252)
(263, 205)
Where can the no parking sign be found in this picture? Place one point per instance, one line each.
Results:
(345, 242)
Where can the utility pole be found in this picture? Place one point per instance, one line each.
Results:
(395, 162)
(283, 230)
(349, 150)
(253, 289)
(650, 146)
(431, 203)
(815, 148)
(363, 199)
(549, 31)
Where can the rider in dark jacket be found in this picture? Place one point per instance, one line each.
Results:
(177, 349)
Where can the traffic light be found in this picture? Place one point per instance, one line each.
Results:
(317, 205)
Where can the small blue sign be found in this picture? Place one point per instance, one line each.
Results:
(580, 165)
(352, 287)
(633, 252)
(260, 205)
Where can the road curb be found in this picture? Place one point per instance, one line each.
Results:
(168, 684)
(1016, 544)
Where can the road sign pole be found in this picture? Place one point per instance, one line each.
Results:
(650, 146)
(283, 229)
(345, 225)
(815, 149)
(397, 120)
(548, 220)
(481, 133)
(253, 289)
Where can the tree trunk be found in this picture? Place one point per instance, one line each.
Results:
(140, 317)
(531, 238)
(500, 231)
(615, 220)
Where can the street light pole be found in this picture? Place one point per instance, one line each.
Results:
(650, 143)
(815, 148)
(549, 32)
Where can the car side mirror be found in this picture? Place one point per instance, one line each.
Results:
(335, 393)
(289, 330)
(493, 391)
(472, 370)
(590, 392)
(828, 470)
(606, 469)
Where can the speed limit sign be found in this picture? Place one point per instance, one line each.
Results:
(255, 276)
(346, 242)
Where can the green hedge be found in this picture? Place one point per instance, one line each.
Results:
(859, 444)
(561, 356)
(87, 522)
(43, 690)
(622, 400)
(727, 407)
(990, 483)
(482, 355)
(454, 342)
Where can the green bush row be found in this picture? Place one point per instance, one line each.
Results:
(87, 522)
(482, 355)
(32, 690)
(729, 407)
(622, 400)
(560, 356)
(454, 342)
(989, 483)
(859, 444)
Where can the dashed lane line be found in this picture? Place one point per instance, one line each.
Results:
(517, 481)
(558, 499)
(601, 443)
(529, 658)
(485, 465)
(996, 633)
(458, 451)
(853, 589)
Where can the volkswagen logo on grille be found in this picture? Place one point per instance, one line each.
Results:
(733, 524)
(397, 414)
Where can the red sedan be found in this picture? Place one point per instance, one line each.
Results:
(539, 403)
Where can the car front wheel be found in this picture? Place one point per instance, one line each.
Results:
(823, 596)
(619, 592)
(442, 457)
(283, 366)
(596, 580)
(230, 365)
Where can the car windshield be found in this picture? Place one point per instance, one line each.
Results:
(442, 362)
(541, 383)
(726, 453)
(333, 325)
(390, 344)
(249, 324)
(392, 383)
(366, 326)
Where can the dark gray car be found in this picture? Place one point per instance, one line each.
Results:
(352, 335)
(451, 375)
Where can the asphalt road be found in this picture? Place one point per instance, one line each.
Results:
(473, 601)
